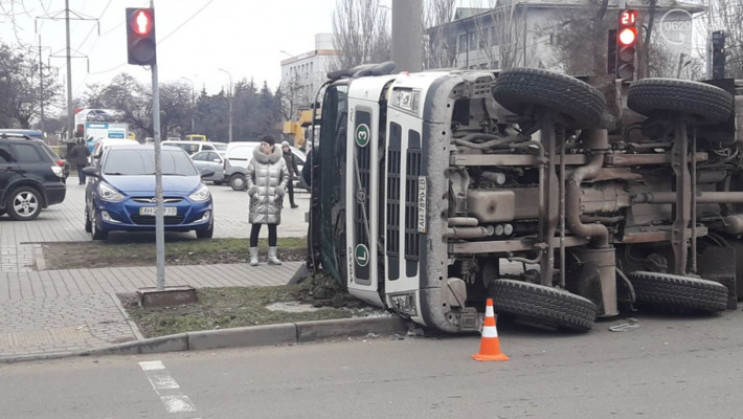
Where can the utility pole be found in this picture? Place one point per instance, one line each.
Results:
(407, 34)
(41, 86)
(230, 105)
(70, 121)
(70, 113)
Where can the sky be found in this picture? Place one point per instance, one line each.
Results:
(246, 38)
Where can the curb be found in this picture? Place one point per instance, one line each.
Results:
(241, 337)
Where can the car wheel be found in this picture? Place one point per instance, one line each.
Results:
(2, 212)
(237, 182)
(88, 223)
(658, 95)
(95, 230)
(24, 204)
(521, 89)
(667, 291)
(206, 234)
(542, 305)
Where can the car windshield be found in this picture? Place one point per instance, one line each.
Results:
(129, 162)
(220, 146)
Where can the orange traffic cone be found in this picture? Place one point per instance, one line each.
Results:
(489, 343)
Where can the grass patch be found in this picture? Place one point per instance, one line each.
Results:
(98, 254)
(222, 308)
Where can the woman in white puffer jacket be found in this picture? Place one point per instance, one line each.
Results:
(266, 179)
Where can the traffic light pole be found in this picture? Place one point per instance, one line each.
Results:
(159, 210)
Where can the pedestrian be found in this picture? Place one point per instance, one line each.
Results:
(266, 177)
(79, 156)
(291, 165)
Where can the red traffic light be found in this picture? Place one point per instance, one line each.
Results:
(627, 37)
(140, 33)
(141, 22)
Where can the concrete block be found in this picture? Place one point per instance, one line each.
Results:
(168, 296)
(273, 334)
(309, 331)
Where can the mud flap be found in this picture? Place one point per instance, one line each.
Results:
(719, 264)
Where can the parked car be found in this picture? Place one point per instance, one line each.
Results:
(211, 161)
(38, 134)
(122, 193)
(238, 156)
(31, 176)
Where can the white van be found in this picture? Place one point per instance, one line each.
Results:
(191, 147)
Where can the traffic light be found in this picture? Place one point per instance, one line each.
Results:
(626, 40)
(140, 31)
(718, 55)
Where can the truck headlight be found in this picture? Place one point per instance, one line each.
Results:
(404, 304)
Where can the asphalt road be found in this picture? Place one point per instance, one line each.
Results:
(667, 367)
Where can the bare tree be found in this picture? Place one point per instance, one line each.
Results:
(501, 35)
(361, 32)
(440, 41)
(580, 38)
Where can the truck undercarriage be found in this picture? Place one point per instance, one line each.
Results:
(562, 201)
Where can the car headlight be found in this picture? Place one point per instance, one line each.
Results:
(107, 193)
(201, 194)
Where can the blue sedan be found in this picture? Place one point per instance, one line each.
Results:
(121, 195)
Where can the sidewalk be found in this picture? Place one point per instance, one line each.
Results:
(57, 312)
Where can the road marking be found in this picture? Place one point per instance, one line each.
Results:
(166, 387)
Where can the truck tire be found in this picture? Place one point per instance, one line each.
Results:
(520, 89)
(543, 305)
(678, 292)
(658, 95)
(237, 182)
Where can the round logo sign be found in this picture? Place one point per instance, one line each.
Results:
(362, 255)
(676, 27)
(363, 135)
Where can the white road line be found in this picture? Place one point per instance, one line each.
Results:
(166, 388)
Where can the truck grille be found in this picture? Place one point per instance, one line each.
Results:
(394, 154)
(413, 172)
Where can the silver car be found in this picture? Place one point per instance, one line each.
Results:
(210, 160)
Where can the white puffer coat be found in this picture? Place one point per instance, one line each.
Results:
(266, 178)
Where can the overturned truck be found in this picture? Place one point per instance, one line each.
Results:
(564, 200)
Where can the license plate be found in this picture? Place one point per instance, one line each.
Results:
(167, 211)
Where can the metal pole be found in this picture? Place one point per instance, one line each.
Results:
(70, 121)
(159, 219)
(229, 117)
(407, 34)
(41, 86)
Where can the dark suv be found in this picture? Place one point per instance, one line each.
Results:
(31, 176)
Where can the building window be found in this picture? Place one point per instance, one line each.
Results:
(473, 40)
(462, 42)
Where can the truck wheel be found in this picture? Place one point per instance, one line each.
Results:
(237, 182)
(678, 292)
(24, 204)
(520, 89)
(657, 95)
(542, 305)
